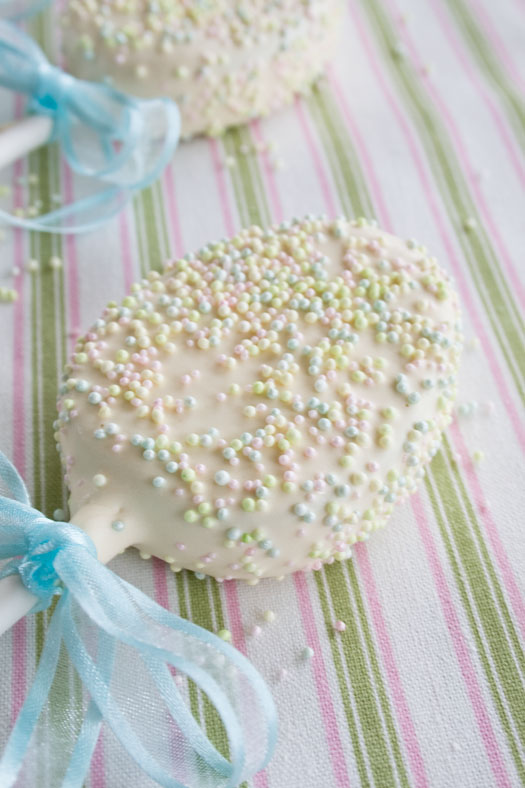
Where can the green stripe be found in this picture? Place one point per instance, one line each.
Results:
(246, 178)
(201, 614)
(365, 675)
(490, 66)
(48, 355)
(494, 619)
(150, 248)
(468, 575)
(160, 203)
(485, 557)
(504, 315)
(321, 582)
(341, 153)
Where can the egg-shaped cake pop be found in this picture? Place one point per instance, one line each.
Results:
(223, 62)
(265, 402)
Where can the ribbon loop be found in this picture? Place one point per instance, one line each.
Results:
(106, 135)
(135, 660)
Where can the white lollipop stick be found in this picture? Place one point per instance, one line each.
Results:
(20, 138)
(16, 601)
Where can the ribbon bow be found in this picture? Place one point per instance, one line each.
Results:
(124, 647)
(105, 135)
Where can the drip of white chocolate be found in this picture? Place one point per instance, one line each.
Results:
(264, 403)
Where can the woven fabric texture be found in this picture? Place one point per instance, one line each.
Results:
(420, 123)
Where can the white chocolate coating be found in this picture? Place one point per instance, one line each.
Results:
(223, 62)
(264, 403)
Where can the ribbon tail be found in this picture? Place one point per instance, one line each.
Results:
(191, 728)
(99, 689)
(18, 742)
(91, 727)
(51, 222)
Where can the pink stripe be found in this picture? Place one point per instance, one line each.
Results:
(467, 300)
(173, 213)
(460, 646)
(339, 766)
(239, 640)
(19, 631)
(324, 182)
(497, 44)
(72, 266)
(221, 186)
(127, 256)
(396, 685)
(491, 530)
(97, 778)
(277, 208)
(462, 153)
(498, 117)
(160, 583)
(372, 178)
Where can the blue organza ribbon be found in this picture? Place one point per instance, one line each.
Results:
(120, 142)
(124, 647)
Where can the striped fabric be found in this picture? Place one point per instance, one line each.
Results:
(420, 123)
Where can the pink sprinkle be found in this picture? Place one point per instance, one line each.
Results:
(256, 630)
(180, 546)
(340, 626)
